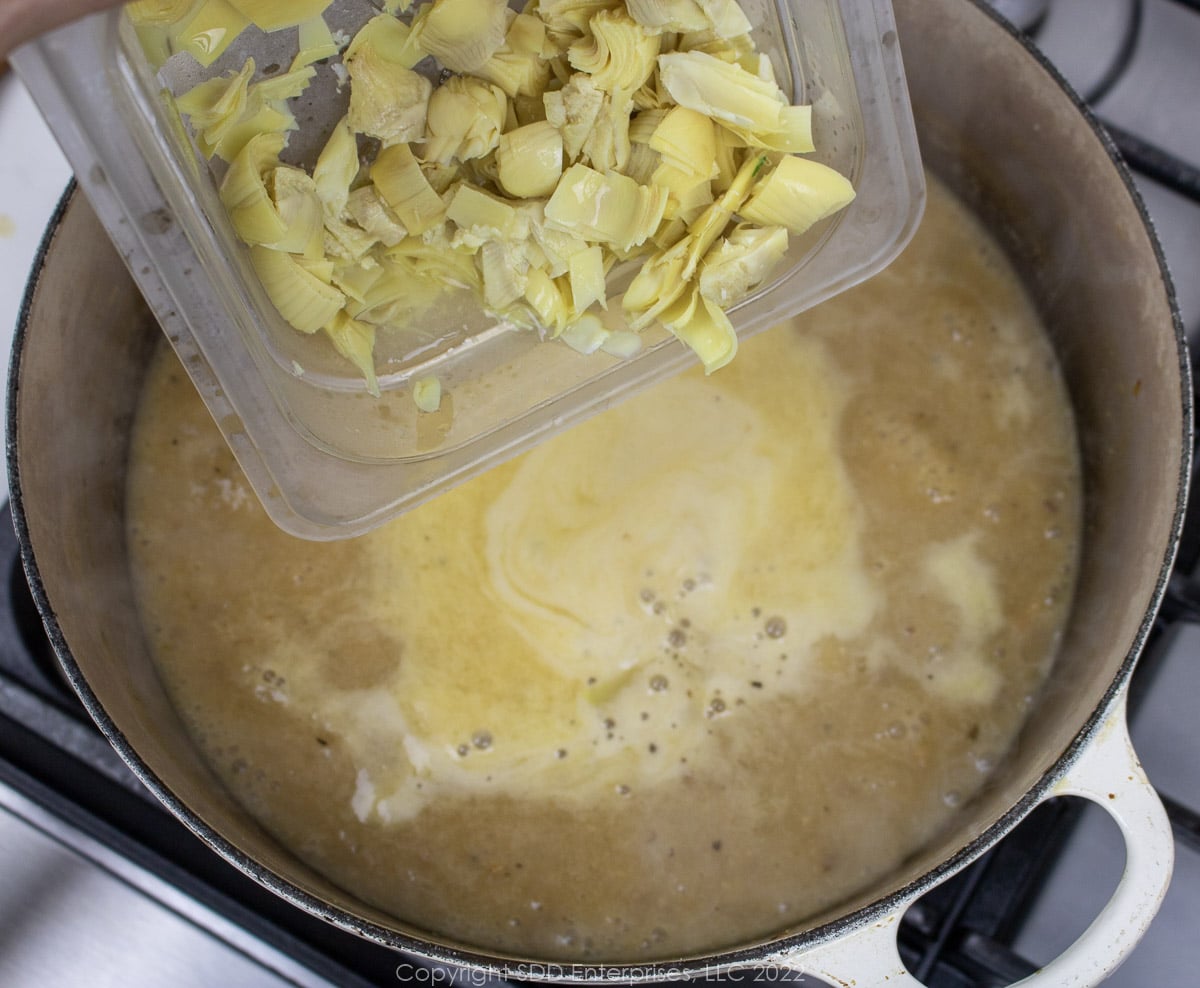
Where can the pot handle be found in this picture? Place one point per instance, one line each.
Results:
(1107, 772)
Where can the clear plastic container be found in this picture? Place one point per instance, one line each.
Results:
(329, 460)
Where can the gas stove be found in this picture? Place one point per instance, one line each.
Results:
(102, 884)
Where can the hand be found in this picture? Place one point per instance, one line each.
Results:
(21, 20)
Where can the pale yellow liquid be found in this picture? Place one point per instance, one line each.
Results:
(684, 676)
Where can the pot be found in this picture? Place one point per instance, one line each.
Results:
(1006, 134)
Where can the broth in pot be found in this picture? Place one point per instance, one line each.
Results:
(692, 672)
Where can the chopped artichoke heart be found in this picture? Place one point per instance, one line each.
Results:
(504, 274)
(517, 66)
(480, 216)
(387, 100)
(687, 140)
(244, 195)
(272, 15)
(586, 270)
(669, 15)
(794, 135)
(466, 117)
(607, 146)
(727, 18)
(157, 12)
(207, 30)
(303, 299)
(704, 327)
(355, 341)
(572, 16)
(574, 110)
(464, 34)
(609, 209)
(287, 86)
(741, 263)
(337, 166)
(585, 335)
(797, 193)
(391, 38)
(657, 285)
(427, 394)
(619, 54)
(622, 343)
(299, 207)
(529, 160)
(316, 42)
(562, 142)
(721, 90)
(216, 104)
(366, 207)
(403, 185)
(546, 299)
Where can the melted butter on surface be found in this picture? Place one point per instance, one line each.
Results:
(626, 578)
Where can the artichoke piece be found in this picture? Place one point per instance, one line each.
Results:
(517, 66)
(503, 269)
(366, 207)
(302, 298)
(727, 18)
(157, 12)
(392, 39)
(436, 259)
(574, 110)
(556, 246)
(548, 301)
(704, 327)
(797, 193)
(607, 209)
(741, 262)
(572, 17)
(355, 341)
(403, 185)
(337, 166)
(619, 54)
(622, 343)
(463, 34)
(466, 117)
(480, 217)
(427, 394)
(273, 15)
(355, 279)
(151, 20)
(721, 90)
(687, 141)
(586, 271)
(669, 15)
(205, 33)
(228, 111)
(529, 160)
(387, 100)
(657, 285)
(215, 105)
(244, 194)
(316, 42)
(793, 136)
(585, 335)
(607, 146)
(713, 221)
(295, 197)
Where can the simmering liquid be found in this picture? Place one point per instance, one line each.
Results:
(679, 678)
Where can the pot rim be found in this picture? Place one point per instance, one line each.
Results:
(427, 946)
